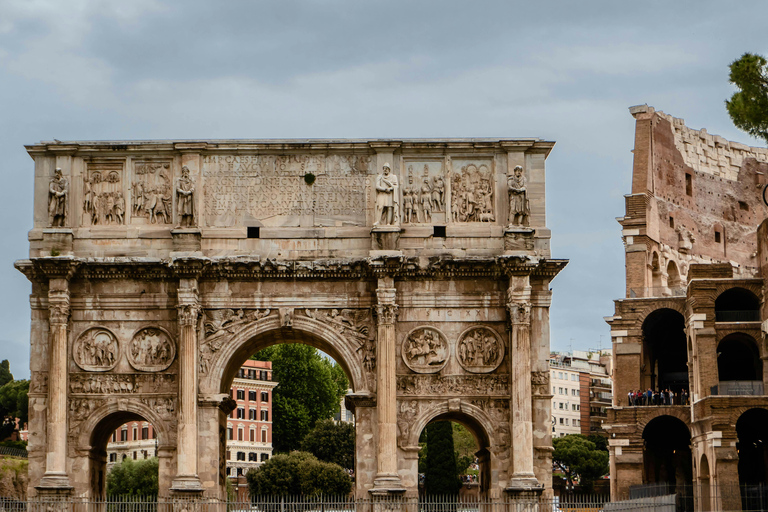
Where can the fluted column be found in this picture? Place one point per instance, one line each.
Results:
(187, 480)
(519, 308)
(387, 479)
(55, 476)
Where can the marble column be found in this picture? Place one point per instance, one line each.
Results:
(523, 478)
(187, 480)
(387, 479)
(56, 477)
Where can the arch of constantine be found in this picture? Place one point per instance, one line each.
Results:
(157, 267)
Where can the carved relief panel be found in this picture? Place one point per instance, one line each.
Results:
(103, 194)
(152, 192)
(425, 350)
(472, 190)
(96, 350)
(425, 192)
(480, 349)
(151, 350)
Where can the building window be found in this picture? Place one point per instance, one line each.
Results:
(252, 457)
(264, 435)
(240, 413)
(240, 455)
(239, 434)
(264, 396)
(124, 434)
(240, 471)
(717, 237)
(241, 394)
(264, 415)
(671, 221)
(114, 436)
(561, 421)
(230, 434)
(252, 435)
(688, 184)
(252, 396)
(134, 455)
(144, 453)
(229, 455)
(112, 457)
(228, 471)
(125, 456)
(145, 432)
(135, 433)
(566, 422)
(264, 457)
(251, 414)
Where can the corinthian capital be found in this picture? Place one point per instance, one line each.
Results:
(386, 313)
(58, 313)
(188, 314)
(519, 313)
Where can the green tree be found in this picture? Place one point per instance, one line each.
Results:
(309, 389)
(332, 442)
(748, 107)
(5, 372)
(441, 476)
(14, 403)
(298, 473)
(133, 478)
(579, 458)
(466, 447)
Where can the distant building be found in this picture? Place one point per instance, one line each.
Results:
(249, 426)
(581, 391)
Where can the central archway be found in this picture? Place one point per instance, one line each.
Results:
(227, 352)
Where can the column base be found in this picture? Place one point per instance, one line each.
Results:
(54, 485)
(524, 487)
(186, 486)
(387, 485)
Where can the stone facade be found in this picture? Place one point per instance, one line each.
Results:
(158, 267)
(691, 321)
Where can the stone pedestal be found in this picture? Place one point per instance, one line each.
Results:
(385, 238)
(187, 242)
(518, 240)
(57, 242)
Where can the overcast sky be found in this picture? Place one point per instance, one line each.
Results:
(564, 71)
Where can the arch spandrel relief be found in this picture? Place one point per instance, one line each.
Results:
(96, 350)
(425, 350)
(480, 349)
(151, 350)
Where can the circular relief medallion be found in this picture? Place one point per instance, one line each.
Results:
(151, 350)
(425, 350)
(480, 349)
(96, 350)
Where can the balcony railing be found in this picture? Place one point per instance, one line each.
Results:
(749, 315)
(738, 387)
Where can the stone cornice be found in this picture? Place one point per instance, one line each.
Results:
(400, 267)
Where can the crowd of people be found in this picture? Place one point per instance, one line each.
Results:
(657, 397)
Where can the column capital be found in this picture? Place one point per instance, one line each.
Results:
(519, 313)
(58, 307)
(188, 314)
(386, 314)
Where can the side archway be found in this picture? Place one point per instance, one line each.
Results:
(665, 351)
(667, 458)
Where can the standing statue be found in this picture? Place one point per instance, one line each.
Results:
(387, 198)
(57, 200)
(518, 198)
(185, 194)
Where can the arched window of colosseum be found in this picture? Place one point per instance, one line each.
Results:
(737, 305)
(667, 456)
(655, 274)
(738, 359)
(665, 355)
(753, 456)
(673, 276)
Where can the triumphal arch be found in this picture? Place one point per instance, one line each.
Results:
(157, 267)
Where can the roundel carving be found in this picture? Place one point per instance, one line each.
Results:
(151, 350)
(480, 349)
(425, 350)
(96, 350)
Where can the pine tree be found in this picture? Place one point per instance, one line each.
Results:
(441, 476)
(748, 107)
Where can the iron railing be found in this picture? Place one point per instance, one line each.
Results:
(13, 452)
(738, 387)
(744, 315)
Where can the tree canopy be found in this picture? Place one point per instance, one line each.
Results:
(579, 459)
(748, 107)
(133, 478)
(298, 473)
(14, 401)
(309, 389)
(441, 475)
(332, 442)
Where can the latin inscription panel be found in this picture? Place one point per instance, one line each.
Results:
(274, 190)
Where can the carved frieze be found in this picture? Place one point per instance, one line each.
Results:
(480, 349)
(151, 350)
(121, 383)
(465, 385)
(424, 193)
(151, 198)
(82, 408)
(39, 382)
(425, 350)
(346, 322)
(96, 350)
(163, 406)
(472, 198)
(540, 382)
(103, 199)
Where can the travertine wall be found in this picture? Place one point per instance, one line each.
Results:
(158, 267)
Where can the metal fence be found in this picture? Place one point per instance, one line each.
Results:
(13, 452)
